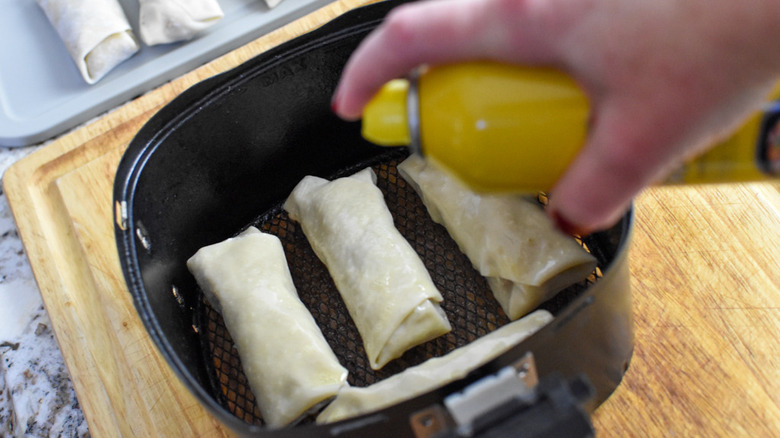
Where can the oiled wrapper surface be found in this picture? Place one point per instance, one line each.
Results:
(289, 364)
(96, 33)
(508, 238)
(433, 373)
(384, 284)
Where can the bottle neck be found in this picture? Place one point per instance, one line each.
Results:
(413, 112)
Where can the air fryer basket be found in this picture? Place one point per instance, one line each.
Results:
(226, 153)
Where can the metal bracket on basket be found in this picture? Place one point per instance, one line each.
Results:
(511, 402)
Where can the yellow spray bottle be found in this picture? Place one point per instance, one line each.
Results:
(508, 128)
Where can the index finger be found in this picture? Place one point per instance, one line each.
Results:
(431, 32)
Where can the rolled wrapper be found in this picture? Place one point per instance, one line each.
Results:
(169, 21)
(508, 238)
(384, 284)
(96, 33)
(289, 364)
(433, 373)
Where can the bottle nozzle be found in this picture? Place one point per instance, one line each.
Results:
(385, 119)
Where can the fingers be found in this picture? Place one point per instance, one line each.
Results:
(618, 161)
(657, 92)
(430, 32)
(410, 35)
(636, 140)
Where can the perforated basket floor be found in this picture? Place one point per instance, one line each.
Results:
(468, 302)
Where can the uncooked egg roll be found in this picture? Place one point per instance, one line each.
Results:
(168, 21)
(433, 373)
(95, 32)
(289, 364)
(384, 284)
(508, 238)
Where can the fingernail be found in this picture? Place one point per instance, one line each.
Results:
(567, 226)
(334, 102)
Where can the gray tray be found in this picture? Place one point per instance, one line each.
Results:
(42, 93)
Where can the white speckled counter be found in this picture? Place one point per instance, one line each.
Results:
(36, 395)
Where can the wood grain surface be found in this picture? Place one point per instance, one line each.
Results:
(705, 280)
(706, 291)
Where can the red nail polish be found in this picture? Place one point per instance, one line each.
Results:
(334, 101)
(568, 226)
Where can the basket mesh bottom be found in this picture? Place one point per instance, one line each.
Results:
(468, 302)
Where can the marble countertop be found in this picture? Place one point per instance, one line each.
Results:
(36, 394)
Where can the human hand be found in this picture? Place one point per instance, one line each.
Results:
(665, 78)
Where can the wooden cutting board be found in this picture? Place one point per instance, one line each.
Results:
(704, 274)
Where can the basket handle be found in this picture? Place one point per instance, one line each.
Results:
(511, 403)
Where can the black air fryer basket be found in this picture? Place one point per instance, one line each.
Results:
(226, 153)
